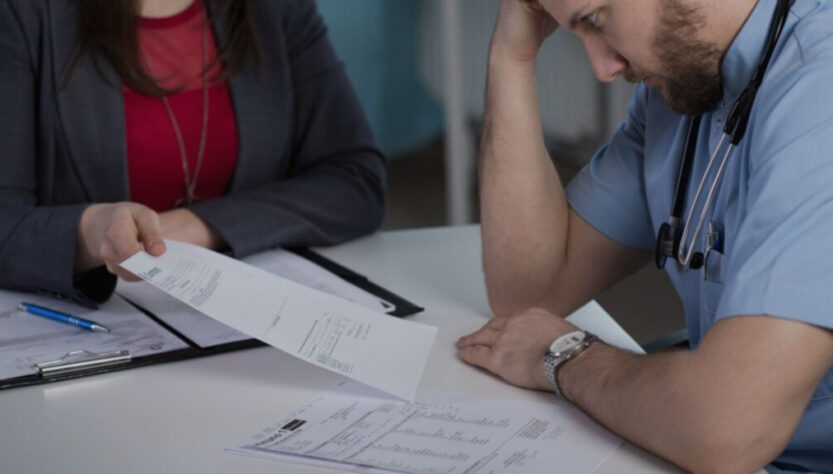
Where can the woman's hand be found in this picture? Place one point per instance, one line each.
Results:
(521, 29)
(183, 225)
(108, 234)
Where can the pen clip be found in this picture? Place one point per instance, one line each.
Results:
(713, 241)
(77, 361)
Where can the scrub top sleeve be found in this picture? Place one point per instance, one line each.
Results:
(609, 193)
(781, 263)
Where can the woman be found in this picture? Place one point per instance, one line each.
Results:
(225, 123)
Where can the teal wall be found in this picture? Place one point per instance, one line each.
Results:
(377, 40)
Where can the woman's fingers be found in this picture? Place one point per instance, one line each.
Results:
(121, 230)
(149, 230)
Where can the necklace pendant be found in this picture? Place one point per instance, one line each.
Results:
(185, 201)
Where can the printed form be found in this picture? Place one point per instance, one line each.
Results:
(197, 327)
(351, 428)
(207, 332)
(300, 270)
(368, 346)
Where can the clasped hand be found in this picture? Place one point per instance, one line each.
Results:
(513, 348)
(521, 29)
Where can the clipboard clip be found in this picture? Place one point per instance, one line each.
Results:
(78, 361)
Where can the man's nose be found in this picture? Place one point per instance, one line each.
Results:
(607, 64)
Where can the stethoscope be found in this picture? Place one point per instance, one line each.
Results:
(672, 243)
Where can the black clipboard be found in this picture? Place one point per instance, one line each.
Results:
(84, 363)
(403, 306)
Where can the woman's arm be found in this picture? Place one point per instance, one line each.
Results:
(334, 190)
(37, 244)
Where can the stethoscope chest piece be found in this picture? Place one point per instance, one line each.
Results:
(668, 245)
(665, 245)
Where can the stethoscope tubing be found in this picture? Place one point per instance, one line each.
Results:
(667, 243)
(686, 252)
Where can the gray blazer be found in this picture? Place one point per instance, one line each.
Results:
(308, 171)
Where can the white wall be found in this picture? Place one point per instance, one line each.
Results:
(573, 102)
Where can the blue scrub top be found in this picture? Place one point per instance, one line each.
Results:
(774, 207)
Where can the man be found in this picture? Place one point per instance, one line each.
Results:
(756, 389)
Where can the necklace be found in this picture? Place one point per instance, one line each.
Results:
(189, 179)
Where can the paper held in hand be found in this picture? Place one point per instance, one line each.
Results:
(368, 346)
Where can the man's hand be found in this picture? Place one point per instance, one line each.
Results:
(108, 234)
(521, 29)
(514, 348)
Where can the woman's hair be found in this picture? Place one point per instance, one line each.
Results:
(109, 32)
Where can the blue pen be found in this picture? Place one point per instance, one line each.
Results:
(62, 317)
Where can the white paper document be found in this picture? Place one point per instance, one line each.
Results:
(199, 328)
(27, 340)
(378, 350)
(352, 428)
(207, 332)
(300, 270)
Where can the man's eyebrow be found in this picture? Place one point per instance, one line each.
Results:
(578, 15)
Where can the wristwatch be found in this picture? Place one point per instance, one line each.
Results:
(563, 349)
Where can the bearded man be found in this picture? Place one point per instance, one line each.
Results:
(749, 245)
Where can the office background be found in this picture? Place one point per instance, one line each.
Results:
(419, 67)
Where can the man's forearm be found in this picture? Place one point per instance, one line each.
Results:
(523, 209)
(731, 405)
(664, 403)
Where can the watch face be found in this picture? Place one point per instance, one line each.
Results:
(567, 341)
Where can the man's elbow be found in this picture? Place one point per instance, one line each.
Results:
(737, 452)
(503, 306)
(501, 311)
(507, 298)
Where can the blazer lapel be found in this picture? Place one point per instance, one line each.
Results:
(261, 111)
(91, 111)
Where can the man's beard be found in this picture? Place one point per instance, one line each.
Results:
(691, 83)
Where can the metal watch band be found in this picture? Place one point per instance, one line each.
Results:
(552, 364)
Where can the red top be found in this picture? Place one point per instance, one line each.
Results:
(173, 46)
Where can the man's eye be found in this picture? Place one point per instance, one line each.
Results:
(591, 19)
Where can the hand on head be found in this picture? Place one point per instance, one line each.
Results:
(522, 27)
(108, 234)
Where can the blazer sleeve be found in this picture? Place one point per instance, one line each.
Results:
(334, 189)
(37, 243)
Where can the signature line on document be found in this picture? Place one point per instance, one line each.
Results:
(277, 317)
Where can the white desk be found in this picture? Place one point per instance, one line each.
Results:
(179, 417)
